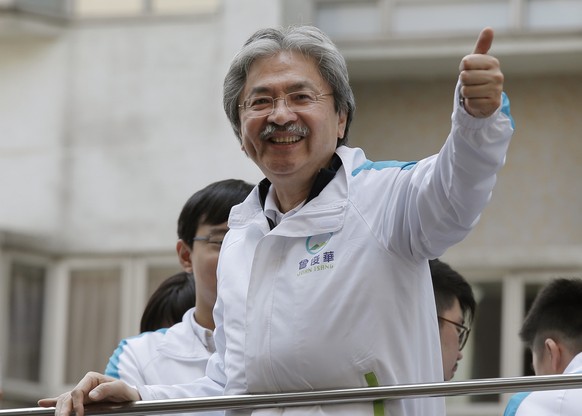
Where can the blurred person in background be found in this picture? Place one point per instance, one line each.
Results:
(552, 330)
(455, 304)
(169, 302)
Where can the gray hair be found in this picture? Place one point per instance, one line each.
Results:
(308, 40)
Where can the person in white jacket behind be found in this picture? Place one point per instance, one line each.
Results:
(180, 353)
(552, 329)
(323, 277)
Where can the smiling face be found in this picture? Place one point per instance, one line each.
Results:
(290, 157)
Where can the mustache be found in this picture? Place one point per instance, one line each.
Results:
(291, 128)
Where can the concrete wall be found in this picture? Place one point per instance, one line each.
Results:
(107, 128)
(32, 105)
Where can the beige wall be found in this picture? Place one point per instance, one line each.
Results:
(537, 201)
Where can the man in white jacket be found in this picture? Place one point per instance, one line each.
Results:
(552, 330)
(323, 277)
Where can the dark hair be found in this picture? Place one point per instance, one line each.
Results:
(166, 306)
(556, 312)
(308, 40)
(449, 285)
(211, 205)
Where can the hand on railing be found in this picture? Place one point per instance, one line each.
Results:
(92, 388)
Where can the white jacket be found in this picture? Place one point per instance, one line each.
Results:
(167, 356)
(339, 294)
(567, 402)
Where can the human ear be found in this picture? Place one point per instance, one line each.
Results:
(341, 126)
(184, 255)
(555, 354)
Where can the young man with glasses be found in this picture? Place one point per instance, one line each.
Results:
(455, 305)
(179, 354)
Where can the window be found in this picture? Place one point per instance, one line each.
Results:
(531, 291)
(93, 320)
(350, 19)
(102, 9)
(156, 275)
(184, 6)
(486, 336)
(27, 295)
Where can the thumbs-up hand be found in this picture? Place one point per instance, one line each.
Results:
(481, 78)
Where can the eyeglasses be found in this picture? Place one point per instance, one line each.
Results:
(215, 240)
(461, 329)
(295, 101)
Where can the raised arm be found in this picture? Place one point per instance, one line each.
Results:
(462, 176)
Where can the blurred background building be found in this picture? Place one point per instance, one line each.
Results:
(111, 117)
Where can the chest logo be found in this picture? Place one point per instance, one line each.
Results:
(318, 259)
(316, 243)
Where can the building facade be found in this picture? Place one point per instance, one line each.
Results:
(111, 117)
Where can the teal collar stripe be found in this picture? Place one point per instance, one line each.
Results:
(369, 165)
(514, 403)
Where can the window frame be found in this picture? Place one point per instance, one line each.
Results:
(134, 275)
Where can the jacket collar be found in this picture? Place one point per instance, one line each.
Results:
(324, 176)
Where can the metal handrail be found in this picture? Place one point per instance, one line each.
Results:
(352, 395)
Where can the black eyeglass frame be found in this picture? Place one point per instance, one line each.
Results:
(209, 239)
(463, 333)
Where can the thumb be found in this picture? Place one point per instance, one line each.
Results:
(484, 42)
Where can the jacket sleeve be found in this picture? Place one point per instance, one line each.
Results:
(202, 387)
(212, 384)
(124, 365)
(443, 196)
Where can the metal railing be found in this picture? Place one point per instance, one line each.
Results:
(260, 401)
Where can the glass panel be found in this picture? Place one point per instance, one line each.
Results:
(531, 291)
(348, 18)
(94, 319)
(554, 14)
(184, 6)
(446, 18)
(486, 336)
(98, 8)
(27, 292)
(156, 275)
(49, 7)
